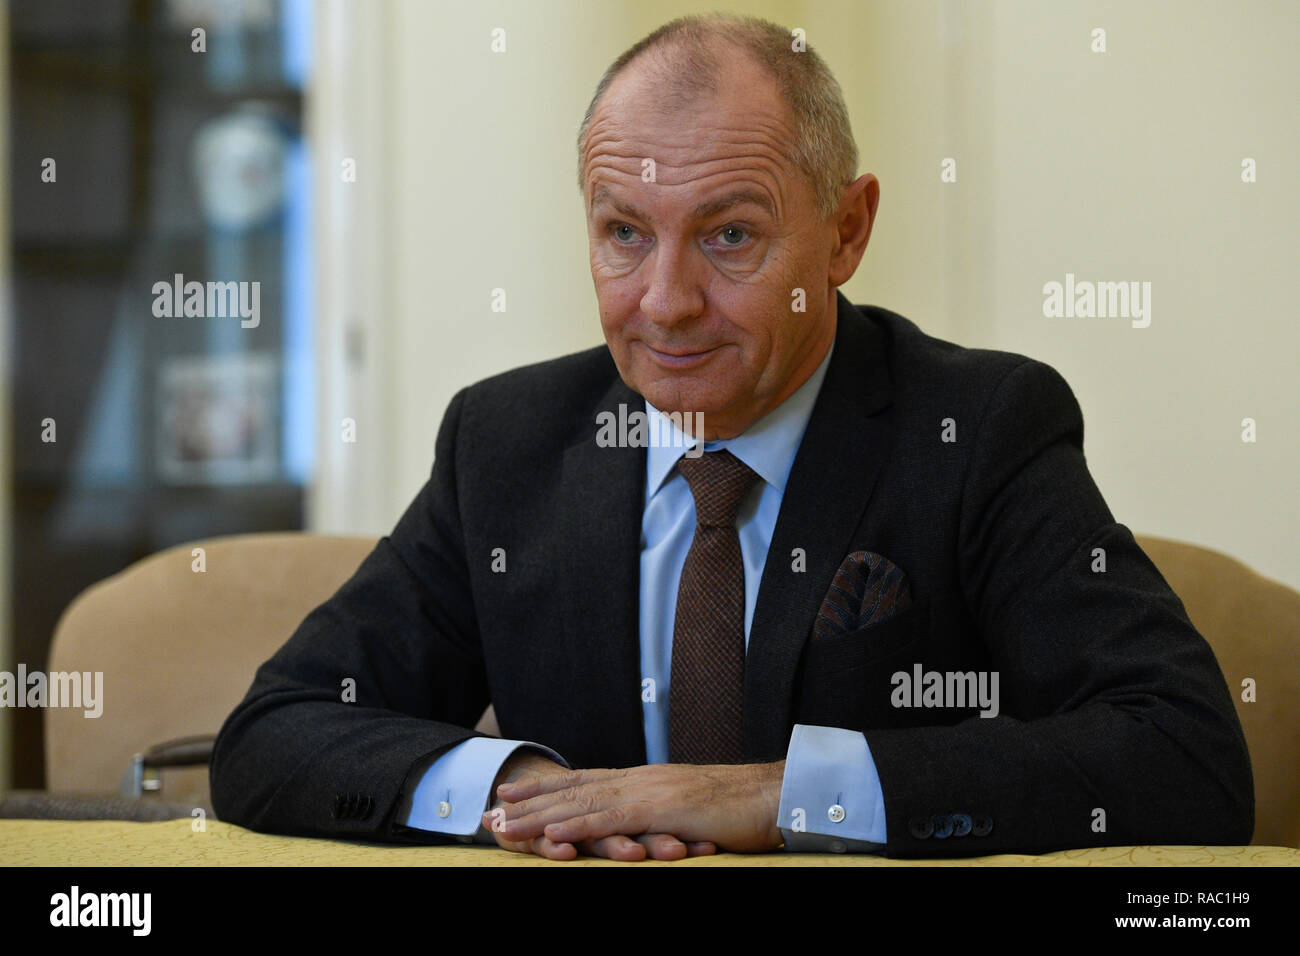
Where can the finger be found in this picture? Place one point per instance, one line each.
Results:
(554, 850)
(529, 818)
(621, 818)
(703, 848)
(537, 785)
(543, 803)
(528, 826)
(616, 847)
(540, 846)
(515, 846)
(662, 846)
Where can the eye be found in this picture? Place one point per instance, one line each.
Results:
(623, 233)
(733, 236)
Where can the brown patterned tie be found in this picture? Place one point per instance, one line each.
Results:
(707, 685)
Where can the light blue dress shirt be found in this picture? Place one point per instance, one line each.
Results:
(831, 798)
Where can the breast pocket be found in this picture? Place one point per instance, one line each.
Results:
(845, 680)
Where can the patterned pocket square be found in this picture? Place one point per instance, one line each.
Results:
(868, 588)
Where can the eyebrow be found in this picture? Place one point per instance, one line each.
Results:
(704, 210)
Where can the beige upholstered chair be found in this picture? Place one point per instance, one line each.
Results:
(1253, 625)
(179, 647)
(178, 650)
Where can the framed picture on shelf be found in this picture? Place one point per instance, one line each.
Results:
(217, 419)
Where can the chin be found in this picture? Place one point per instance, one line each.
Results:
(682, 391)
(685, 398)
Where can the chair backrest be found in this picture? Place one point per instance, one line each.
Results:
(1253, 625)
(178, 647)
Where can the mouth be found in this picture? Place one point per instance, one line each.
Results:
(680, 358)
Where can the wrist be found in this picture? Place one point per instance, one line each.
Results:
(772, 781)
(522, 762)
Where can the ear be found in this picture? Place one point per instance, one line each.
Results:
(852, 227)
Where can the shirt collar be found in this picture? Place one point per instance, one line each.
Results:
(768, 446)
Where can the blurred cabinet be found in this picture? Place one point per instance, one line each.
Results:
(162, 366)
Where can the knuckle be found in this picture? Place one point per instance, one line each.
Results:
(617, 815)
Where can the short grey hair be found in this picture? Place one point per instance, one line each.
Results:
(688, 48)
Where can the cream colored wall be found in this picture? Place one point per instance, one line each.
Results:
(485, 199)
(1127, 165)
(904, 67)
(1123, 165)
(1115, 166)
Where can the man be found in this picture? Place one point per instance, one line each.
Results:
(882, 608)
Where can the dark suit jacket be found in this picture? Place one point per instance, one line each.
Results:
(1110, 699)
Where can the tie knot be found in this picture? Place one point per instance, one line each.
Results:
(719, 481)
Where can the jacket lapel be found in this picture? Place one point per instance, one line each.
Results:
(826, 495)
(604, 488)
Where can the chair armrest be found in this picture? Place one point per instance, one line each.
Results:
(141, 773)
(181, 752)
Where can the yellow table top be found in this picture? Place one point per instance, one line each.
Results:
(177, 843)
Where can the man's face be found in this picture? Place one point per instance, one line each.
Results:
(695, 271)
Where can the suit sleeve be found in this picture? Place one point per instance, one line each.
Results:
(1116, 726)
(385, 674)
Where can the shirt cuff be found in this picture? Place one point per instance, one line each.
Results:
(831, 798)
(455, 791)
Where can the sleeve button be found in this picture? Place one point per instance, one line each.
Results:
(835, 813)
(444, 809)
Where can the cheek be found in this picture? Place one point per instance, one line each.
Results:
(614, 316)
(790, 270)
(789, 326)
(617, 299)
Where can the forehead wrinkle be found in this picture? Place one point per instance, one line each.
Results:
(768, 137)
(765, 174)
(689, 157)
(737, 197)
(706, 210)
(720, 142)
(751, 186)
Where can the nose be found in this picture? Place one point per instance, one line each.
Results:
(674, 292)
